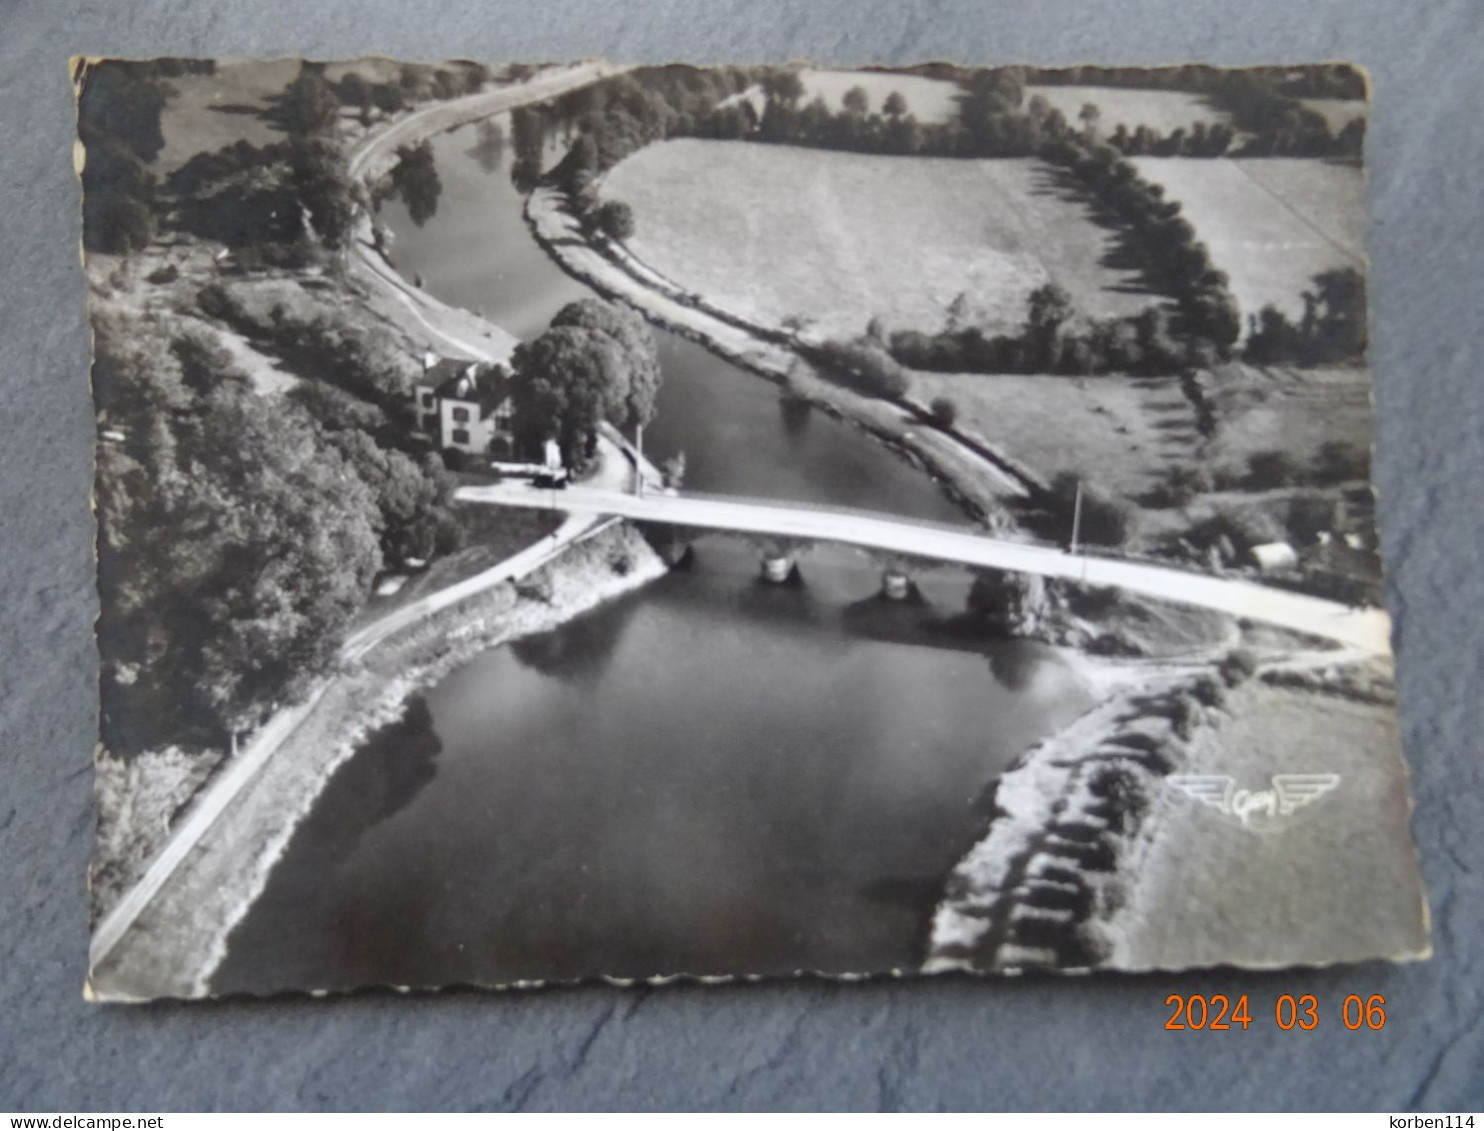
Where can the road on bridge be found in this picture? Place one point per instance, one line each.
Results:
(1368, 629)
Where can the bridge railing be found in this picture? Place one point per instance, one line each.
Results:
(965, 528)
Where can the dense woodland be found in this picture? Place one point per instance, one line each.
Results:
(238, 533)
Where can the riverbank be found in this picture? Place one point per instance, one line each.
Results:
(1092, 859)
(181, 936)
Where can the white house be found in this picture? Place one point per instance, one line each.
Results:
(1274, 555)
(465, 406)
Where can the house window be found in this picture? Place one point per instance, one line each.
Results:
(427, 400)
(460, 435)
(502, 416)
(461, 415)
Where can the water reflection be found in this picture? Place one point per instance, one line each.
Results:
(580, 650)
(488, 150)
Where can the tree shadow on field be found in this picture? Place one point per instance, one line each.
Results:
(1123, 252)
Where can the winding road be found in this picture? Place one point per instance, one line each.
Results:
(1367, 629)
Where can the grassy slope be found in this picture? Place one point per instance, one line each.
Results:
(1160, 110)
(1288, 410)
(771, 231)
(1123, 433)
(1334, 881)
(1271, 223)
(1127, 433)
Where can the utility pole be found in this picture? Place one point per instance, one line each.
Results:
(1077, 516)
(639, 459)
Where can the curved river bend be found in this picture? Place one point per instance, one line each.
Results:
(713, 775)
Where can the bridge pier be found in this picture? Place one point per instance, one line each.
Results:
(895, 585)
(676, 552)
(779, 568)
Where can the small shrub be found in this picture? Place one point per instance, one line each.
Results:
(1270, 469)
(1209, 691)
(866, 368)
(166, 274)
(1242, 529)
(1339, 461)
(1185, 716)
(1121, 790)
(214, 302)
(614, 218)
(1237, 666)
(944, 411)
(1105, 521)
(1308, 517)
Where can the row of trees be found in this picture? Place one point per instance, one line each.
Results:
(1200, 140)
(1332, 329)
(1263, 103)
(1302, 80)
(1173, 252)
(1055, 339)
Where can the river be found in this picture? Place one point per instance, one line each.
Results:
(713, 775)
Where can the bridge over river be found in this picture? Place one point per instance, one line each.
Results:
(1365, 628)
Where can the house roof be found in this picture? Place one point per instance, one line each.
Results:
(482, 383)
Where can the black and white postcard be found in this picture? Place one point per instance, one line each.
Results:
(583, 521)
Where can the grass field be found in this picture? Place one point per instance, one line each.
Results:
(1122, 433)
(1160, 110)
(1338, 112)
(773, 231)
(1271, 223)
(1335, 883)
(208, 112)
(1295, 411)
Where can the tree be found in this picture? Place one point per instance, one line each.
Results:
(203, 361)
(895, 105)
(118, 121)
(1339, 302)
(411, 497)
(308, 105)
(784, 87)
(596, 361)
(1104, 521)
(614, 218)
(640, 356)
(1089, 116)
(944, 412)
(564, 390)
(1049, 308)
(857, 101)
(355, 91)
(415, 179)
(322, 185)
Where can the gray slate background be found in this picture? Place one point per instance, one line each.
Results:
(938, 1044)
